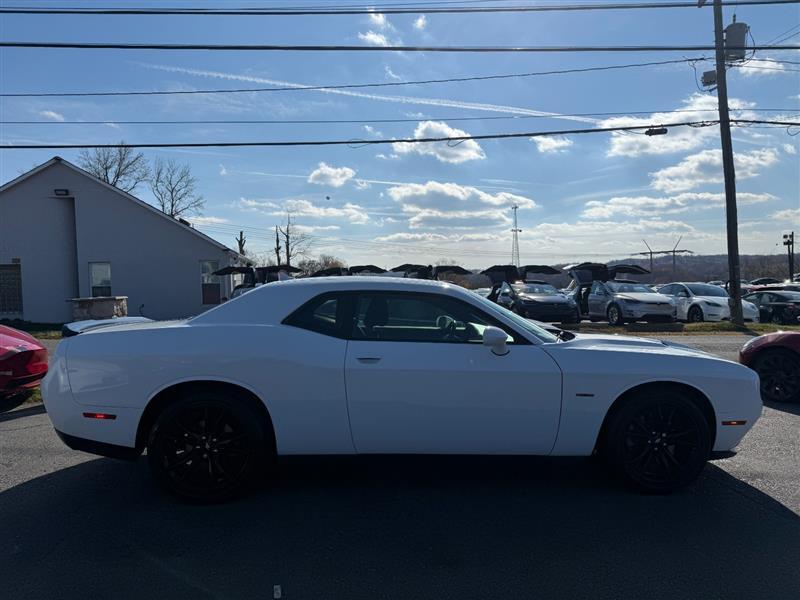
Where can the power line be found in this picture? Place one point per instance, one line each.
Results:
(351, 142)
(387, 121)
(365, 10)
(360, 143)
(351, 48)
(295, 88)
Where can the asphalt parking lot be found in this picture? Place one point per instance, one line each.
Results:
(76, 526)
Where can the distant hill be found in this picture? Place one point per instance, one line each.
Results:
(701, 268)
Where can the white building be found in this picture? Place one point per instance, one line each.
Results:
(66, 234)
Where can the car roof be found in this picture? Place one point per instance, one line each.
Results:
(272, 302)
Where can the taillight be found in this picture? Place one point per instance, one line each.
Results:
(26, 363)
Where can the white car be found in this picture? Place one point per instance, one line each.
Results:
(366, 365)
(698, 302)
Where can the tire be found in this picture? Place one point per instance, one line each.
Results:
(207, 447)
(657, 442)
(777, 318)
(695, 315)
(779, 372)
(614, 315)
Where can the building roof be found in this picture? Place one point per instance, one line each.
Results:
(58, 160)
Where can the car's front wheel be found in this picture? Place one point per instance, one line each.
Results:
(779, 372)
(207, 447)
(657, 442)
(777, 318)
(695, 315)
(614, 315)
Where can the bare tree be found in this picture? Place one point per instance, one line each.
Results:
(173, 185)
(241, 241)
(295, 244)
(122, 167)
(323, 261)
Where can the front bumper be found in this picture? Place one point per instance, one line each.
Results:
(550, 312)
(649, 312)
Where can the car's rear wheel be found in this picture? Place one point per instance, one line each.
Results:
(614, 315)
(657, 442)
(695, 315)
(779, 371)
(207, 447)
(777, 318)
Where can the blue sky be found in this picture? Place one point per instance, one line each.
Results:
(585, 196)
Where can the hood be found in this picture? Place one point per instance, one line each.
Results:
(634, 344)
(652, 298)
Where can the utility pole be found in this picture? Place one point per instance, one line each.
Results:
(515, 239)
(788, 241)
(734, 270)
(277, 247)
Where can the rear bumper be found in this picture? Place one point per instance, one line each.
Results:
(99, 448)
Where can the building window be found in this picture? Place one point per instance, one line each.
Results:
(100, 278)
(211, 285)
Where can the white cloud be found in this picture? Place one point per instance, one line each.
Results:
(420, 22)
(552, 145)
(51, 114)
(372, 131)
(766, 67)
(789, 149)
(706, 167)
(207, 220)
(314, 228)
(373, 38)
(407, 236)
(699, 107)
(435, 205)
(788, 214)
(332, 176)
(649, 206)
(453, 153)
(353, 213)
(383, 156)
(378, 20)
(391, 74)
(222, 170)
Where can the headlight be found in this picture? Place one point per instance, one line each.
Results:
(631, 301)
(710, 303)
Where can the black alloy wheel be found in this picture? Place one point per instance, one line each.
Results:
(695, 315)
(779, 372)
(658, 442)
(207, 448)
(777, 318)
(614, 315)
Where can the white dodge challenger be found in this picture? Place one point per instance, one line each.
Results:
(367, 365)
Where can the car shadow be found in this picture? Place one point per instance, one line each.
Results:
(397, 528)
(787, 407)
(9, 406)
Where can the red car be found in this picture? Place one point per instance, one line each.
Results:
(23, 361)
(776, 359)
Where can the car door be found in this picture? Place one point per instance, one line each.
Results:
(683, 301)
(598, 298)
(419, 380)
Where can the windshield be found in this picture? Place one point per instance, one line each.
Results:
(704, 289)
(542, 289)
(520, 322)
(628, 288)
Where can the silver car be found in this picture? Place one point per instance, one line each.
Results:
(619, 301)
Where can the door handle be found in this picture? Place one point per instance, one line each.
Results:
(368, 359)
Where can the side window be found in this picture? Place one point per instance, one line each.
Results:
(323, 314)
(418, 318)
(210, 286)
(681, 292)
(754, 298)
(597, 288)
(668, 290)
(100, 278)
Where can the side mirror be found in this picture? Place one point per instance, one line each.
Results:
(495, 338)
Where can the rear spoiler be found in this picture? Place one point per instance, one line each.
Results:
(78, 327)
